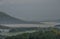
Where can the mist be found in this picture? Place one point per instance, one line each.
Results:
(32, 10)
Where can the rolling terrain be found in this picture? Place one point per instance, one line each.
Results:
(7, 19)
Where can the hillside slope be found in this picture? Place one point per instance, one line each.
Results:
(6, 19)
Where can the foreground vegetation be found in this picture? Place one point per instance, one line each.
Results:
(53, 34)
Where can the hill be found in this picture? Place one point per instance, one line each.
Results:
(7, 19)
(57, 20)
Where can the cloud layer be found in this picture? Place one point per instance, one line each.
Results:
(32, 9)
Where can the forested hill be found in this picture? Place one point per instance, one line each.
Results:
(7, 19)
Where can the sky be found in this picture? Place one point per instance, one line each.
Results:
(32, 10)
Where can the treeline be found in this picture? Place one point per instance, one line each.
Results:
(22, 29)
(53, 34)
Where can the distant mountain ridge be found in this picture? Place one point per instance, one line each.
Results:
(7, 19)
(56, 20)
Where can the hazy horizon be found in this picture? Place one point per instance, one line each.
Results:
(32, 10)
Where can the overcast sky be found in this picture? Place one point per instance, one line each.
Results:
(32, 9)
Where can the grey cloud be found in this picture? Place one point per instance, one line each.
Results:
(32, 9)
